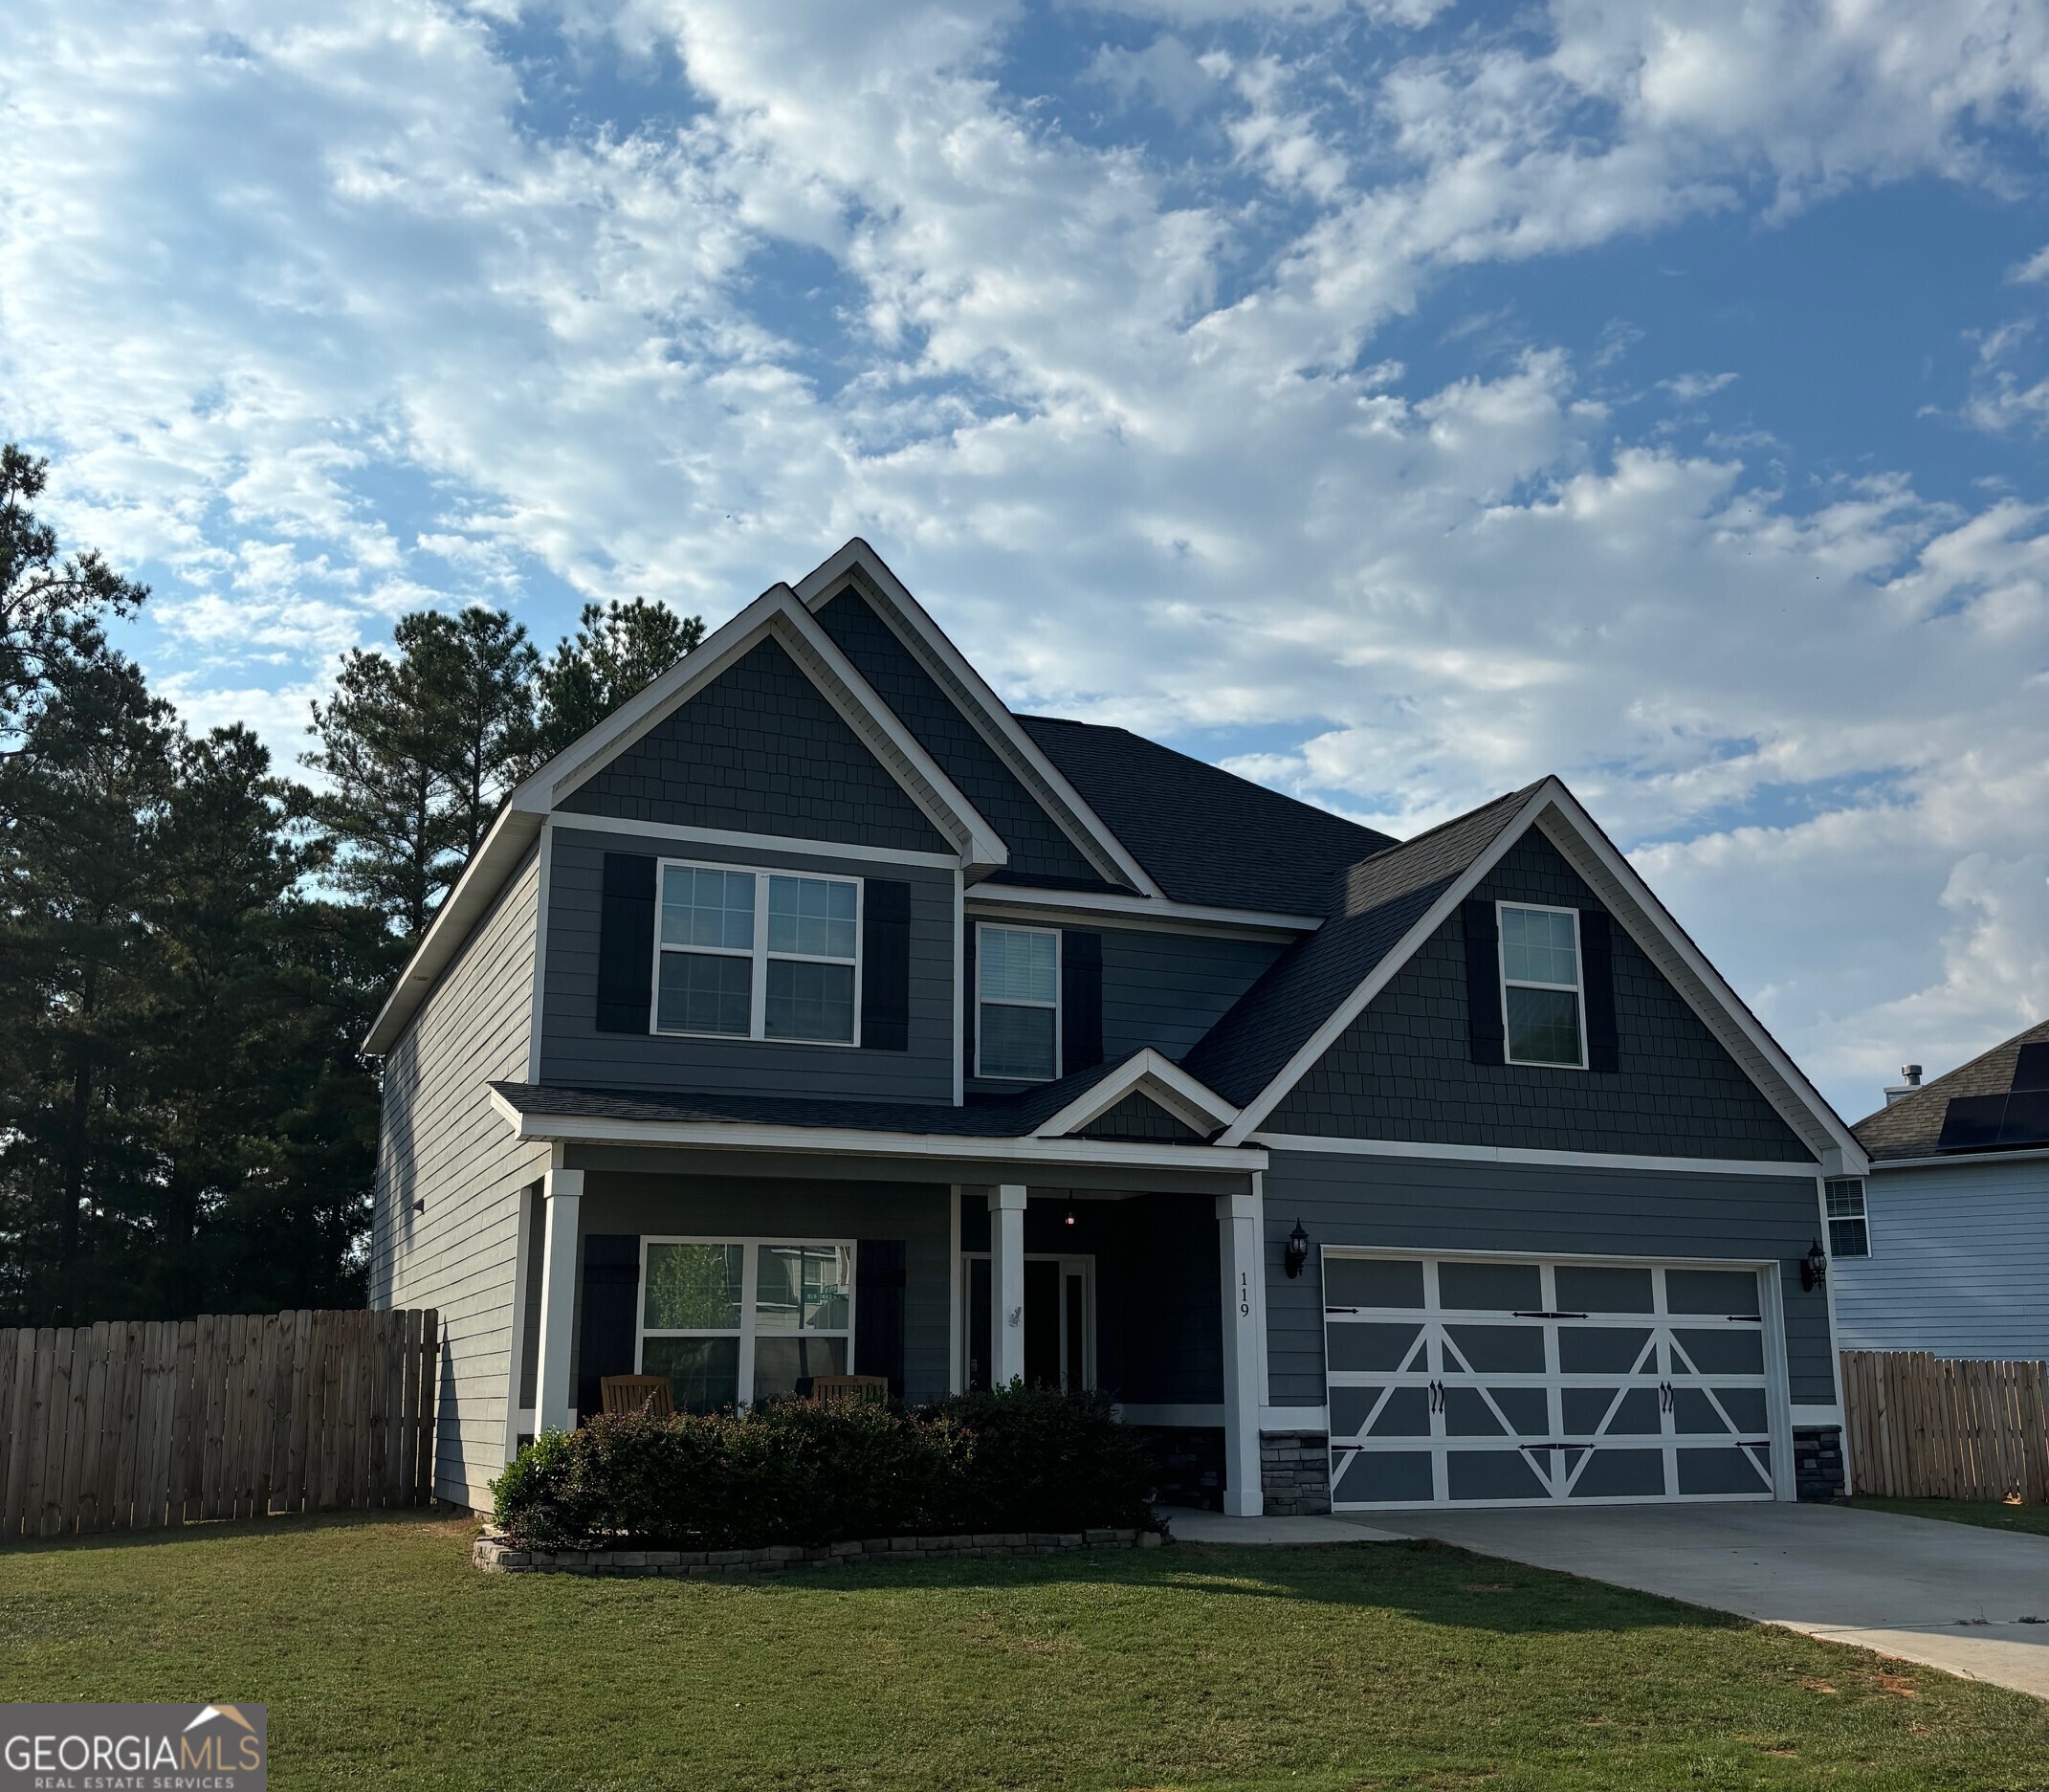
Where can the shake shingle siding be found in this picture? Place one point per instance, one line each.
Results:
(1404, 1070)
(444, 1144)
(1135, 1117)
(1040, 850)
(1427, 1206)
(574, 1052)
(759, 750)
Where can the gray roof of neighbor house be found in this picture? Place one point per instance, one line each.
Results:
(1206, 835)
(1911, 1127)
(1371, 905)
(1001, 1117)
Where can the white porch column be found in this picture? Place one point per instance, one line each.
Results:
(552, 1392)
(1239, 1223)
(1006, 1284)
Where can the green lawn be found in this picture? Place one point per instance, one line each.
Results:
(387, 1661)
(1988, 1512)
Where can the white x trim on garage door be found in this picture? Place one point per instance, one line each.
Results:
(1461, 1380)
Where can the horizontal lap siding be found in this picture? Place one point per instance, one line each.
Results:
(1166, 990)
(1404, 1069)
(744, 1207)
(445, 1143)
(1425, 1206)
(574, 1053)
(1959, 1262)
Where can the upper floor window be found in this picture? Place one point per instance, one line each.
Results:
(1543, 1002)
(1849, 1228)
(1017, 1022)
(757, 955)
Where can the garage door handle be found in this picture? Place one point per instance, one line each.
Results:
(1665, 1396)
(1547, 1315)
(1340, 1309)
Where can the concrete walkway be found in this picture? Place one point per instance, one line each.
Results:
(1191, 1525)
(1955, 1596)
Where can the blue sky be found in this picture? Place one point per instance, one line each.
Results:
(1394, 401)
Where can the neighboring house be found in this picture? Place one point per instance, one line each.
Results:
(1945, 1246)
(816, 1013)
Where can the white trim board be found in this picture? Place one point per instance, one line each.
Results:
(1512, 1154)
(820, 1140)
(987, 713)
(1160, 1080)
(801, 845)
(989, 899)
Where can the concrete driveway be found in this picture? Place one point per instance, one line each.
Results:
(1956, 1595)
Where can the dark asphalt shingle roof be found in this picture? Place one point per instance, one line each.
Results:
(1006, 1117)
(1911, 1126)
(1205, 835)
(1372, 905)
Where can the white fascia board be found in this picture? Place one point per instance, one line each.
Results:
(993, 721)
(1720, 1008)
(777, 612)
(1022, 899)
(1516, 1154)
(1383, 973)
(1949, 1160)
(1195, 1104)
(503, 850)
(836, 1141)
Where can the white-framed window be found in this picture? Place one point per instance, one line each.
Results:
(731, 1321)
(1017, 1015)
(744, 953)
(1543, 1003)
(1849, 1227)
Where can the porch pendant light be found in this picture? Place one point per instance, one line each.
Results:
(1296, 1253)
(1814, 1268)
(1067, 1218)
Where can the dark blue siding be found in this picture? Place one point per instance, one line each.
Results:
(759, 750)
(1404, 1070)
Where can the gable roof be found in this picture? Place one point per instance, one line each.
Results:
(778, 615)
(1911, 1126)
(1374, 907)
(1207, 836)
(858, 564)
(1388, 905)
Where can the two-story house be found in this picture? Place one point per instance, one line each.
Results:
(815, 1013)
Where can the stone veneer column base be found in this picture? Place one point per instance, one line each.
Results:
(1817, 1462)
(1294, 1472)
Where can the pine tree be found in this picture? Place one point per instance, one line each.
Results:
(616, 651)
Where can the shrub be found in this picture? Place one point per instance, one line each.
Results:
(790, 1473)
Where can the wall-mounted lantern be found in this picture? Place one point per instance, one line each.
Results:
(1295, 1255)
(1814, 1268)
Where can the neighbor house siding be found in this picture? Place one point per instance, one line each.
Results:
(709, 1206)
(759, 750)
(1959, 1262)
(444, 1144)
(1404, 1069)
(575, 1052)
(1425, 1205)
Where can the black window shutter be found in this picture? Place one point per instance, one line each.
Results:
(1483, 981)
(1081, 1001)
(1596, 970)
(885, 965)
(879, 1279)
(970, 999)
(626, 944)
(611, 1284)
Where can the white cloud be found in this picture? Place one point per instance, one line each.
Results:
(327, 314)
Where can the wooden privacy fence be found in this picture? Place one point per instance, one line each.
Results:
(1921, 1427)
(133, 1425)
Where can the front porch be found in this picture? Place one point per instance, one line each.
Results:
(1132, 1268)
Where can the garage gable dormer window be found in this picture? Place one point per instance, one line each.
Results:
(1543, 996)
(757, 955)
(1017, 1017)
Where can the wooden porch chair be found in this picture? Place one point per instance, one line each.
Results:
(839, 1390)
(637, 1393)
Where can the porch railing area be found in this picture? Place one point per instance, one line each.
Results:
(1922, 1426)
(142, 1425)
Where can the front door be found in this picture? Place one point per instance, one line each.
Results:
(1458, 1381)
(1059, 1321)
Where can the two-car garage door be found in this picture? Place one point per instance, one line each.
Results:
(1463, 1382)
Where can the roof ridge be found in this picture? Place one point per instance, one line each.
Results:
(1922, 1099)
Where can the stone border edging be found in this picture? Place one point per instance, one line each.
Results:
(493, 1554)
